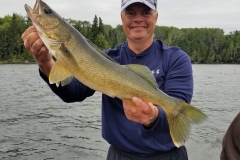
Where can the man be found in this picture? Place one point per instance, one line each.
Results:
(231, 141)
(133, 133)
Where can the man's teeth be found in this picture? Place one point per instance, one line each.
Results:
(138, 27)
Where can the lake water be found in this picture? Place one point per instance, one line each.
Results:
(35, 124)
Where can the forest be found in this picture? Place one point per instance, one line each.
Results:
(203, 45)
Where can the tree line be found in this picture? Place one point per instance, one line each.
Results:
(203, 45)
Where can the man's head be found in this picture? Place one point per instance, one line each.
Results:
(139, 18)
(150, 3)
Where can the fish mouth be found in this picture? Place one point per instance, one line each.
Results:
(33, 13)
(37, 16)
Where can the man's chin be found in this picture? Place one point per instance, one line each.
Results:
(137, 38)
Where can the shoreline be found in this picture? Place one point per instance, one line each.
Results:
(26, 62)
(33, 62)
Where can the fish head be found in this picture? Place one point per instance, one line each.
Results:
(51, 27)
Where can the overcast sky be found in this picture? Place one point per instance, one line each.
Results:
(224, 14)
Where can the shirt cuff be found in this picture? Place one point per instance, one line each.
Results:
(45, 78)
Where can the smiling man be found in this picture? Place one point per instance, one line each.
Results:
(139, 22)
(138, 130)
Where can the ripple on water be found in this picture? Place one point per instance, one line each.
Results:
(36, 124)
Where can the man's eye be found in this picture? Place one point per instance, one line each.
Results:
(146, 13)
(130, 13)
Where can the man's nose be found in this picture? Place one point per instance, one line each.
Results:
(138, 18)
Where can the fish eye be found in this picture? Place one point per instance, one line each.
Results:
(47, 10)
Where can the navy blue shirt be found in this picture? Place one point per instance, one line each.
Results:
(172, 70)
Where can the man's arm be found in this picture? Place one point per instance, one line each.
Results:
(73, 92)
(38, 50)
(179, 79)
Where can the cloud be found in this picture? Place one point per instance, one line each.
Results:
(182, 14)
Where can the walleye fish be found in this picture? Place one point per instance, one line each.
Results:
(77, 57)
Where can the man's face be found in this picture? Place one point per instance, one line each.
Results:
(138, 21)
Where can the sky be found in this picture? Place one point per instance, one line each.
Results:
(224, 14)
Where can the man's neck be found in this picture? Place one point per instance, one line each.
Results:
(137, 46)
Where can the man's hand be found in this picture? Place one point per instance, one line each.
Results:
(34, 44)
(142, 112)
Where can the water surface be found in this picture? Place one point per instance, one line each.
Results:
(35, 124)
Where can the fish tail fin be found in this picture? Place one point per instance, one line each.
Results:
(180, 123)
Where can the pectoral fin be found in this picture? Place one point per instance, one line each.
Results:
(59, 74)
(144, 72)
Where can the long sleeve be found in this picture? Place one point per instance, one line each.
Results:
(178, 77)
(73, 92)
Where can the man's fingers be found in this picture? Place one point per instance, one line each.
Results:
(140, 111)
(146, 107)
(27, 32)
(130, 109)
(37, 46)
(131, 112)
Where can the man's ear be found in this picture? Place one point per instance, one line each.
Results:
(156, 17)
(121, 14)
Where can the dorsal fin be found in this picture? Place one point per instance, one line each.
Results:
(99, 50)
(144, 72)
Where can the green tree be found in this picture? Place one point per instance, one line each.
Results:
(101, 42)
(100, 26)
(204, 45)
(86, 28)
(94, 30)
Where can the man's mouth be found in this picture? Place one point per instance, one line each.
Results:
(137, 27)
